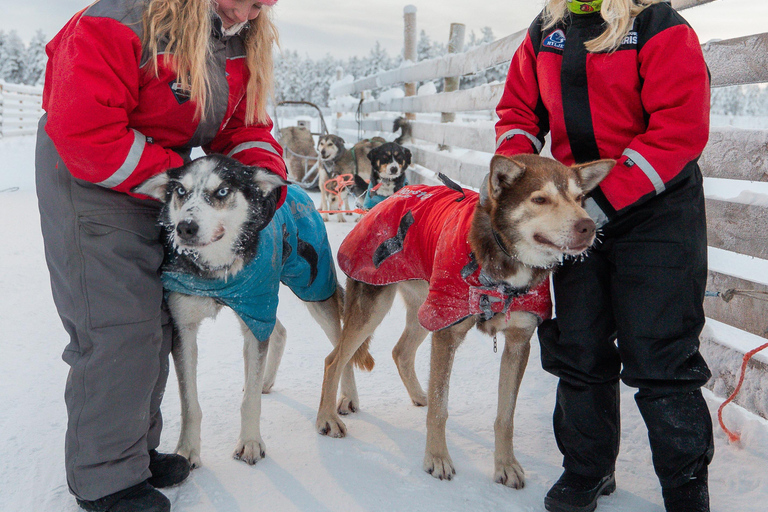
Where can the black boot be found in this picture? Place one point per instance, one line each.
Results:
(692, 496)
(577, 493)
(139, 498)
(167, 469)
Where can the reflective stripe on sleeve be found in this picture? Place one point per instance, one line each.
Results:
(508, 135)
(595, 212)
(647, 169)
(130, 163)
(250, 145)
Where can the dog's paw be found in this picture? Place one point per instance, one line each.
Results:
(331, 426)
(267, 387)
(347, 405)
(325, 217)
(511, 475)
(250, 452)
(191, 454)
(440, 467)
(419, 400)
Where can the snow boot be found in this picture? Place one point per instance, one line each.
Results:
(577, 493)
(167, 469)
(693, 496)
(139, 498)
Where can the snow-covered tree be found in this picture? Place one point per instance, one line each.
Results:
(12, 55)
(35, 59)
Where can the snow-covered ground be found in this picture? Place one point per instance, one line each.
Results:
(376, 468)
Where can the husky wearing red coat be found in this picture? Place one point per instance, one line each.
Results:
(459, 260)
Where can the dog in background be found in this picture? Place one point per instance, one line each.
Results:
(461, 260)
(337, 160)
(388, 165)
(299, 150)
(227, 244)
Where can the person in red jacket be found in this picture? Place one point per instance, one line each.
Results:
(131, 87)
(623, 79)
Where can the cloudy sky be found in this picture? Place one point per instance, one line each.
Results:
(351, 27)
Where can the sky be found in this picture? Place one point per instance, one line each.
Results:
(346, 27)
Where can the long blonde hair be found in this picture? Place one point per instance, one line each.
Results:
(171, 19)
(618, 16)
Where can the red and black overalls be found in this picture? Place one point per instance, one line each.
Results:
(633, 308)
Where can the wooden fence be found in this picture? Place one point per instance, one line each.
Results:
(21, 107)
(737, 230)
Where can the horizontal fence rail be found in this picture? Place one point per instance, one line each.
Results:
(21, 107)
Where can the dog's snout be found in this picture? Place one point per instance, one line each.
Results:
(584, 228)
(187, 229)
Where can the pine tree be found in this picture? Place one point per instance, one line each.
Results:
(12, 59)
(35, 60)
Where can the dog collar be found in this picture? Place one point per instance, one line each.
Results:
(584, 7)
(500, 243)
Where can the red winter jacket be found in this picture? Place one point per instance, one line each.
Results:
(645, 105)
(116, 124)
(421, 233)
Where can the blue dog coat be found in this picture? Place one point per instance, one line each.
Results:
(372, 198)
(293, 249)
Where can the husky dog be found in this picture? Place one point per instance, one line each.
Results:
(335, 160)
(388, 165)
(299, 149)
(228, 245)
(461, 260)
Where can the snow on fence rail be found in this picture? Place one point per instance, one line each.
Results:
(737, 219)
(21, 107)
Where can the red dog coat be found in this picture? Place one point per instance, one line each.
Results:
(421, 233)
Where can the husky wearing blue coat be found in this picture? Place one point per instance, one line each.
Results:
(229, 245)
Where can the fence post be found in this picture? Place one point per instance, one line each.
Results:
(339, 76)
(409, 48)
(450, 84)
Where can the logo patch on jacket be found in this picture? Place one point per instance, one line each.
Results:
(555, 40)
(630, 39)
(181, 95)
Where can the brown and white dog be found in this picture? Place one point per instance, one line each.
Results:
(532, 218)
(336, 160)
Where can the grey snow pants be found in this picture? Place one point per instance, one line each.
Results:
(104, 253)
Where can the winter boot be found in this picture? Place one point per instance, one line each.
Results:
(693, 496)
(577, 493)
(139, 498)
(167, 469)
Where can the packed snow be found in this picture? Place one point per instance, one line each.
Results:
(376, 468)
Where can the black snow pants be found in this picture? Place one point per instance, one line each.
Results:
(104, 253)
(633, 309)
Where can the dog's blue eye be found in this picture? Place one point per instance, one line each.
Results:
(181, 191)
(222, 192)
(539, 200)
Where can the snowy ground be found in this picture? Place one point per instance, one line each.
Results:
(376, 468)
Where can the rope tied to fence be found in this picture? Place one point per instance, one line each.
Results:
(734, 437)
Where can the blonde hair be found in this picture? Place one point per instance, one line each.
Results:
(170, 20)
(618, 16)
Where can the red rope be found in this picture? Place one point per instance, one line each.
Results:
(339, 183)
(734, 436)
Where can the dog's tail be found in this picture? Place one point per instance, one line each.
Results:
(363, 358)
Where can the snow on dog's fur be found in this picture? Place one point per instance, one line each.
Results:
(530, 219)
(214, 210)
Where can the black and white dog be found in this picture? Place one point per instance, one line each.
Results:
(228, 244)
(388, 165)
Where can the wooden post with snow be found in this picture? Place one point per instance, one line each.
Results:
(339, 76)
(451, 84)
(409, 49)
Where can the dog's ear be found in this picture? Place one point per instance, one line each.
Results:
(338, 141)
(267, 181)
(592, 173)
(407, 158)
(373, 155)
(504, 172)
(154, 186)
